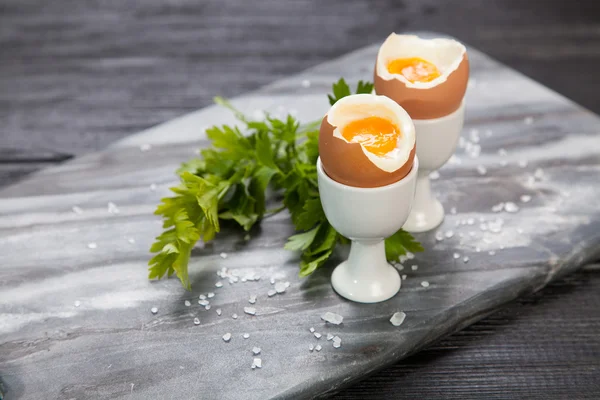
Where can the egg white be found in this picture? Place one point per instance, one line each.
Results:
(360, 106)
(445, 54)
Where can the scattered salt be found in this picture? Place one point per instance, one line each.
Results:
(318, 335)
(414, 267)
(466, 259)
(538, 174)
(404, 277)
(398, 318)
(256, 350)
(218, 311)
(154, 310)
(481, 170)
(519, 230)
(523, 163)
(439, 236)
(311, 347)
(187, 303)
(252, 299)
(449, 234)
(472, 233)
(256, 363)
(318, 347)
(453, 210)
(305, 83)
(145, 147)
(202, 297)
(425, 284)
(250, 310)
(498, 207)
(234, 316)
(502, 152)
(528, 120)
(203, 302)
(210, 295)
(227, 337)
(92, 245)
(456, 256)
(492, 252)
(153, 186)
(246, 335)
(77, 210)
(207, 307)
(271, 293)
(329, 336)
(511, 207)
(337, 342)
(223, 255)
(78, 303)
(112, 208)
(525, 198)
(470, 221)
(332, 318)
(280, 287)
(312, 330)
(219, 284)
(196, 321)
(131, 240)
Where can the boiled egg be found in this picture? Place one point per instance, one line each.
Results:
(427, 77)
(367, 141)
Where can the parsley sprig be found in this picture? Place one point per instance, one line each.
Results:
(229, 181)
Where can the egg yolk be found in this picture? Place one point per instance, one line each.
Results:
(377, 135)
(414, 69)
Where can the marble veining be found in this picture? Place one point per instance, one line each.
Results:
(75, 303)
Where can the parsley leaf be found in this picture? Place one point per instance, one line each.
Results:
(341, 90)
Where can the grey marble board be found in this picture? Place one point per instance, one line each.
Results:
(75, 302)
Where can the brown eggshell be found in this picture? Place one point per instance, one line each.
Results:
(435, 102)
(346, 163)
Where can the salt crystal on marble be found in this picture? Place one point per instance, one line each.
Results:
(523, 163)
(287, 284)
(456, 256)
(131, 240)
(250, 310)
(539, 173)
(498, 207)
(112, 208)
(219, 284)
(202, 297)
(337, 342)
(449, 234)
(502, 152)
(271, 293)
(525, 198)
(414, 267)
(398, 318)
(332, 318)
(272, 281)
(477, 249)
(318, 347)
(481, 169)
(519, 230)
(78, 303)
(227, 337)
(528, 120)
(153, 187)
(439, 236)
(453, 210)
(92, 245)
(196, 321)
(311, 347)
(501, 247)
(318, 335)
(207, 307)
(203, 302)
(425, 284)
(218, 311)
(404, 277)
(77, 210)
(234, 316)
(246, 335)
(154, 310)
(329, 336)
(256, 350)
(187, 303)
(244, 279)
(280, 287)
(434, 175)
(223, 255)
(305, 83)
(511, 207)
(491, 252)
(145, 147)
(466, 260)
(312, 330)
(483, 227)
(252, 299)
(472, 233)
(210, 295)
(399, 267)
(503, 163)
(470, 221)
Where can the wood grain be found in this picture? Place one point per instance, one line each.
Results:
(77, 75)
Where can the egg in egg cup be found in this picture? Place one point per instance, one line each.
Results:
(367, 173)
(428, 78)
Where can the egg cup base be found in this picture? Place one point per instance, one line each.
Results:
(427, 211)
(366, 277)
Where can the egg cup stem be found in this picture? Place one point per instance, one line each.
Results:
(366, 276)
(427, 212)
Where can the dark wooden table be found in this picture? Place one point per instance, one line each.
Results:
(76, 75)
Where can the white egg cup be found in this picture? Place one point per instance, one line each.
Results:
(367, 216)
(436, 141)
